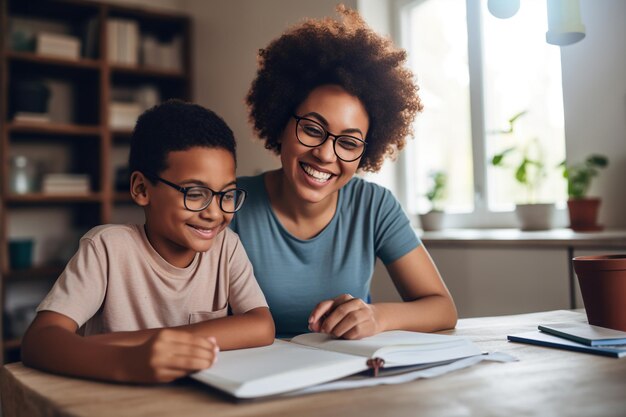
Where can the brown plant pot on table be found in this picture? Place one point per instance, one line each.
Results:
(583, 214)
(602, 282)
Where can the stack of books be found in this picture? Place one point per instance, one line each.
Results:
(124, 115)
(66, 184)
(579, 337)
(54, 44)
(123, 38)
(31, 117)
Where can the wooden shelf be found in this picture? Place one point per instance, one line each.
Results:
(147, 72)
(40, 198)
(48, 60)
(86, 86)
(65, 129)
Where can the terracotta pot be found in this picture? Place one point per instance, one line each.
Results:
(583, 214)
(602, 282)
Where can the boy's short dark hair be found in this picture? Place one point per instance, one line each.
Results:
(175, 125)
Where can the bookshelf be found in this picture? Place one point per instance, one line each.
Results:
(79, 137)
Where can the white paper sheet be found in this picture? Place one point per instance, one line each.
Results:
(430, 372)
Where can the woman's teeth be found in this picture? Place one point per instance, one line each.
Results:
(317, 175)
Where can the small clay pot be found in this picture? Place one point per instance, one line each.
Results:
(602, 282)
(583, 214)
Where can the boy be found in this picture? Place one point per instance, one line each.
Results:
(152, 301)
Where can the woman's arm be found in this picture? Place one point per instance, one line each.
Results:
(51, 344)
(250, 329)
(427, 306)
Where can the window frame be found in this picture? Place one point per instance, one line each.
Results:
(481, 216)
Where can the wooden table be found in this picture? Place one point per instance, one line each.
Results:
(545, 381)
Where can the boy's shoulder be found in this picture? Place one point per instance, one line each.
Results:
(113, 232)
(229, 237)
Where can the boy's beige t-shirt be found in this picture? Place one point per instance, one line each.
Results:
(118, 282)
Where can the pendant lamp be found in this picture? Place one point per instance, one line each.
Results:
(564, 25)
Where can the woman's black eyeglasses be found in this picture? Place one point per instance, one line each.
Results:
(198, 198)
(312, 134)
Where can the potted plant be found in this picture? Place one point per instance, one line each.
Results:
(583, 210)
(433, 219)
(526, 159)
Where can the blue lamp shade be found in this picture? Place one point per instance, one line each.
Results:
(503, 9)
(564, 25)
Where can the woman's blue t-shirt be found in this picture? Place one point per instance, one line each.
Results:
(296, 274)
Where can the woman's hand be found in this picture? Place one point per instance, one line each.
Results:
(346, 317)
(169, 354)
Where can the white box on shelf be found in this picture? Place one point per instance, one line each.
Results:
(65, 184)
(30, 117)
(54, 44)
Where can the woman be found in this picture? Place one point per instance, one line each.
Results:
(332, 97)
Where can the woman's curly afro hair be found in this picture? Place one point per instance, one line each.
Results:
(345, 52)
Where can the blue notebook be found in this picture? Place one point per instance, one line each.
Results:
(545, 339)
(586, 334)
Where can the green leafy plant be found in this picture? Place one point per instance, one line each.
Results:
(437, 192)
(579, 175)
(526, 159)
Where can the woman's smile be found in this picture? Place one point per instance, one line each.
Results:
(318, 175)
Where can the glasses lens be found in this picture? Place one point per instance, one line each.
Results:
(349, 148)
(232, 200)
(310, 133)
(197, 198)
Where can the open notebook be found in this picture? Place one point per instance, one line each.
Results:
(314, 358)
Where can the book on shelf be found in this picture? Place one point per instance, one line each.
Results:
(124, 115)
(540, 338)
(123, 39)
(65, 184)
(585, 333)
(315, 358)
(64, 46)
(31, 117)
(89, 33)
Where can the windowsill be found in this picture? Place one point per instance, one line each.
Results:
(558, 238)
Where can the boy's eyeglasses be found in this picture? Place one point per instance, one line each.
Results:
(312, 134)
(198, 198)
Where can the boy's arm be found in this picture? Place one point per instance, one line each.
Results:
(51, 344)
(250, 329)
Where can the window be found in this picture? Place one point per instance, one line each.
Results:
(476, 72)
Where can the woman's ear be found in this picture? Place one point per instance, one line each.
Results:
(139, 189)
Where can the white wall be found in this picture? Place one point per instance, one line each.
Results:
(594, 90)
(227, 36)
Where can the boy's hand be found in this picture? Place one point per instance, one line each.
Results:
(169, 354)
(346, 317)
